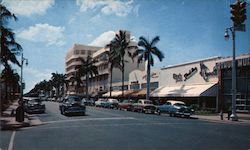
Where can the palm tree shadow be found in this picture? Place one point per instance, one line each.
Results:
(180, 92)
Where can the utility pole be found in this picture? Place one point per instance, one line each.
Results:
(238, 11)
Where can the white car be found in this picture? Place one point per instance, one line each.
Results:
(101, 103)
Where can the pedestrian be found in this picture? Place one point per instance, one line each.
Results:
(221, 114)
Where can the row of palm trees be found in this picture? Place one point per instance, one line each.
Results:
(9, 49)
(56, 82)
(118, 48)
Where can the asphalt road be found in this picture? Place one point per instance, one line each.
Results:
(115, 129)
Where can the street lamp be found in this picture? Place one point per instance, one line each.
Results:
(20, 109)
(233, 116)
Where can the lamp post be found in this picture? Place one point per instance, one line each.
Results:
(20, 109)
(233, 116)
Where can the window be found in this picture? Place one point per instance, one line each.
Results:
(83, 52)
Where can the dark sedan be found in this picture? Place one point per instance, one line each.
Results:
(72, 105)
(33, 105)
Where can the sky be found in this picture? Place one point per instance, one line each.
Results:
(189, 29)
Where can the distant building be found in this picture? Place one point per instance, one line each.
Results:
(72, 61)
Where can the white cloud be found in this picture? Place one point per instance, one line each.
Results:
(35, 76)
(28, 7)
(52, 35)
(107, 7)
(103, 39)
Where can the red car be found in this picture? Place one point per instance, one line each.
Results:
(125, 105)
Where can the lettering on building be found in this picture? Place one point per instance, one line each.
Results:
(239, 62)
(177, 77)
(205, 71)
(191, 72)
(152, 75)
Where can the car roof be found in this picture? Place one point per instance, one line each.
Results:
(174, 102)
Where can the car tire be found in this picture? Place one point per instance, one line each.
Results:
(170, 114)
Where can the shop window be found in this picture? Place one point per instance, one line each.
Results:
(135, 86)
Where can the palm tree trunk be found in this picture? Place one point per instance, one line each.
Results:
(122, 77)
(87, 85)
(148, 81)
(111, 76)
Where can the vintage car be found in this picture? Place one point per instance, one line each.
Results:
(144, 106)
(88, 101)
(33, 105)
(112, 103)
(175, 108)
(102, 103)
(72, 104)
(125, 105)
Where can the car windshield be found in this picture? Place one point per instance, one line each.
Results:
(35, 101)
(147, 102)
(73, 99)
(179, 104)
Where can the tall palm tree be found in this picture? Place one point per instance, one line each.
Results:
(122, 48)
(87, 69)
(114, 61)
(146, 50)
(9, 47)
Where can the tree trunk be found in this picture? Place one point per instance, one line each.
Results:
(87, 85)
(110, 84)
(148, 81)
(122, 77)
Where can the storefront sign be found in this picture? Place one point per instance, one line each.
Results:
(153, 75)
(177, 77)
(205, 71)
(240, 63)
(191, 72)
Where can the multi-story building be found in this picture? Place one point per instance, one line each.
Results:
(102, 81)
(72, 61)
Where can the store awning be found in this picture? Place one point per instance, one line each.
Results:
(113, 94)
(186, 90)
(139, 93)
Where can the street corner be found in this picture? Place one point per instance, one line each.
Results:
(10, 123)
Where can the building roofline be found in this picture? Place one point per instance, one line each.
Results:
(192, 62)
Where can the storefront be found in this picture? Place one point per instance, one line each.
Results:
(242, 81)
(193, 82)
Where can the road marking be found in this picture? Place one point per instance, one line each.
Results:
(12, 140)
(90, 119)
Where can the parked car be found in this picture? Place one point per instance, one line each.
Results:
(34, 105)
(72, 104)
(144, 106)
(125, 105)
(112, 103)
(88, 102)
(102, 103)
(175, 108)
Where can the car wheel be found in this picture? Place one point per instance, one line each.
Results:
(170, 114)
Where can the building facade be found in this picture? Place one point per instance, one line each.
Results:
(72, 61)
(101, 83)
(242, 83)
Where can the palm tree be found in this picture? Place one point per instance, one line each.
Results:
(122, 46)
(76, 79)
(87, 69)
(58, 81)
(113, 60)
(9, 47)
(145, 52)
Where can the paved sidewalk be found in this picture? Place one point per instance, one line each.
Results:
(8, 119)
(217, 119)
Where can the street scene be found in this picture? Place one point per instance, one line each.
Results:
(124, 74)
(116, 129)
